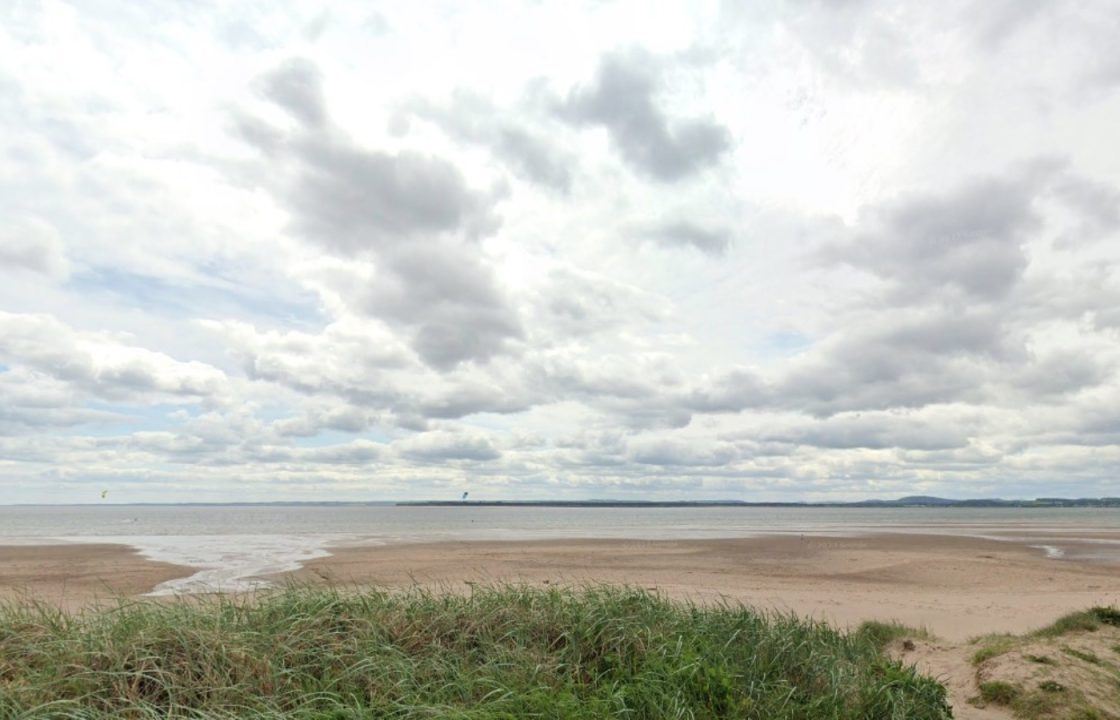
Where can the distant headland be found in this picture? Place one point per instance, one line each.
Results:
(909, 501)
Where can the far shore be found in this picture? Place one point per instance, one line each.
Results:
(957, 587)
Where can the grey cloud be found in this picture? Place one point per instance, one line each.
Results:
(297, 86)
(313, 30)
(963, 460)
(176, 447)
(532, 157)
(469, 399)
(358, 452)
(903, 360)
(235, 438)
(1060, 373)
(442, 445)
(473, 119)
(710, 240)
(352, 200)
(995, 22)
(1106, 315)
(876, 430)
(731, 391)
(1095, 203)
(651, 413)
(191, 448)
(352, 362)
(956, 318)
(32, 244)
(257, 133)
(623, 99)
(857, 41)
(575, 303)
(1087, 36)
(376, 24)
(343, 419)
(592, 449)
(450, 298)
(970, 240)
(1096, 422)
(569, 382)
(414, 216)
(675, 453)
(635, 391)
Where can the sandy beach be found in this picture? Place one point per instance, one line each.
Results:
(957, 587)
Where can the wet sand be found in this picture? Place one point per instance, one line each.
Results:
(73, 576)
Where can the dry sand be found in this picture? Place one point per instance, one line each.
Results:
(955, 587)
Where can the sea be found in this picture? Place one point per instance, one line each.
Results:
(231, 546)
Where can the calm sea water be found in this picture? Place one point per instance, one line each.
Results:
(229, 545)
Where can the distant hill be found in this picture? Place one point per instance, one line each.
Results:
(924, 500)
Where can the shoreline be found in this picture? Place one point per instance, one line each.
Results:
(956, 586)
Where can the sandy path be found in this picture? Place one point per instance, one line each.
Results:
(950, 664)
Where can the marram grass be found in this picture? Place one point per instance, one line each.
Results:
(501, 652)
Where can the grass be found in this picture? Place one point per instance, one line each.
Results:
(1082, 655)
(991, 646)
(999, 693)
(1028, 705)
(882, 634)
(1089, 620)
(498, 653)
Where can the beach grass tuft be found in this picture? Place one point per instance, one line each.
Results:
(1085, 621)
(495, 652)
(881, 634)
(990, 646)
(999, 692)
(1043, 676)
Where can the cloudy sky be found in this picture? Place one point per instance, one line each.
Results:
(777, 250)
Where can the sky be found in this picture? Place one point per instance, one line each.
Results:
(780, 250)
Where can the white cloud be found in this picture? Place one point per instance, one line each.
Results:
(103, 366)
(796, 250)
